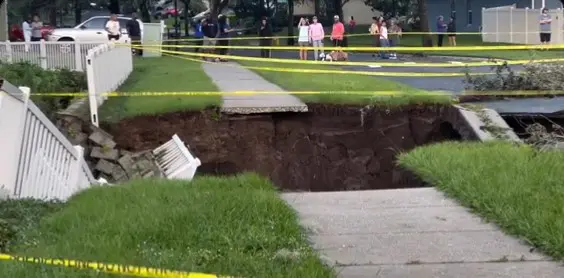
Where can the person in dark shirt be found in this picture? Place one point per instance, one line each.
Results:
(265, 34)
(134, 31)
(223, 35)
(210, 30)
(451, 31)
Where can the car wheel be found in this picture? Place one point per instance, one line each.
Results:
(66, 46)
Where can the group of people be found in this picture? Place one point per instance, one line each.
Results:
(213, 32)
(313, 34)
(449, 28)
(133, 27)
(31, 28)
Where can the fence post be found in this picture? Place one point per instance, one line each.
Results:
(43, 54)
(9, 52)
(76, 169)
(526, 25)
(20, 174)
(91, 79)
(78, 57)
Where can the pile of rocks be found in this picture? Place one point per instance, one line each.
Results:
(100, 150)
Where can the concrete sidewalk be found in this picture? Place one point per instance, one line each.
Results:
(412, 233)
(231, 77)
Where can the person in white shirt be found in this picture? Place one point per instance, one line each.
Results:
(303, 37)
(384, 42)
(26, 28)
(113, 28)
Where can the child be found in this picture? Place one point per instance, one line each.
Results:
(303, 37)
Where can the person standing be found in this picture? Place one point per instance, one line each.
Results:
(395, 37)
(134, 30)
(210, 31)
(199, 34)
(316, 36)
(375, 32)
(338, 32)
(352, 25)
(451, 31)
(265, 34)
(26, 28)
(223, 37)
(36, 26)
(545, 21)
(441, 29)
(303, 37)
(384, 39)
(113, 28)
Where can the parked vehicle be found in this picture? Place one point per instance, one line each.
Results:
(16, 32)
(91, 30)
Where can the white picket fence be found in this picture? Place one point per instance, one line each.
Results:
(37, 160)
(107, 67)
(175, 160)
(508, 24)
(47, 54)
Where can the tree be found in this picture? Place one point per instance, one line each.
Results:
(216, 6)
(114, 6)
(426, 39)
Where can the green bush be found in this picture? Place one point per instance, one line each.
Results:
(45, 81)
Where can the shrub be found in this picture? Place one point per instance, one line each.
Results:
(540, 77)
(45, 81)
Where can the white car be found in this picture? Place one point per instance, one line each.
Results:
(92, 30)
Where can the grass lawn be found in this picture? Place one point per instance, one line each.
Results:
(165, 74)
(328, 82)
(516, 187)
(234, 226)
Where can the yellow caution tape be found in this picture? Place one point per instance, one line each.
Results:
(367, 64)
(372, 48)
(407, 93)
(359, 35)
(130, 270)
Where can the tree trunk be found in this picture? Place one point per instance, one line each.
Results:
(338, 9)
(53, 15)
(114, 6)
(144, 7)
(77, 12)
(317, 7)
(290, 22)
(186, 17)
(426, 39)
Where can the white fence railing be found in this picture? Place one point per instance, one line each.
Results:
(107, 67)
(520, 26)
(47, 54)
(175, 160)
(36, 159)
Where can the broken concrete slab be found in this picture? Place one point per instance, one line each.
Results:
(128, 164)
(104, 166)
(104, 153)
(102, 139)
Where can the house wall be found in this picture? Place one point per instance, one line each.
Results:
(471, 21)
(362, 13)
(4, 21)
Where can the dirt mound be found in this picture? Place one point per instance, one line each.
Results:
(329, 148)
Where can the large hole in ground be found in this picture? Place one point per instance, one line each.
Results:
(329, 148)
(520, 122)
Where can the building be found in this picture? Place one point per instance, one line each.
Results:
(3, 20)
(468, 13)
(362, 13)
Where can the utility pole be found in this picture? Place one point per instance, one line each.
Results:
(176, 23)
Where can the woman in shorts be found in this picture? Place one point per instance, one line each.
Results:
(303, 37)
(451, 31)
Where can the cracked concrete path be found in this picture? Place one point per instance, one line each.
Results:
(406, 233)
(231, 77)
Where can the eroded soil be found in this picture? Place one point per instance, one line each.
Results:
(329, 148)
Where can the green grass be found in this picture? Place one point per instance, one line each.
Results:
(164, 74)
(233, 226)
(517, 187)
(329, 82)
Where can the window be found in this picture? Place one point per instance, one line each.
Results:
(95, 23)
(469, 11)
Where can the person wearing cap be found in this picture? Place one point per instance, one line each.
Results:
(338, 32)
(545, 21)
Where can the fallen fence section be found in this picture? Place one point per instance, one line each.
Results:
(37, 160)
(175, 160)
